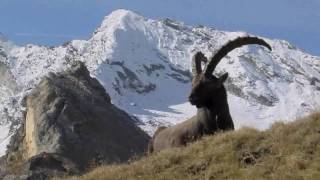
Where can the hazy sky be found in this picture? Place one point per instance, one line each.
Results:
(52, 22)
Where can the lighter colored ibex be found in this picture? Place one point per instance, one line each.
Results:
(209, 95)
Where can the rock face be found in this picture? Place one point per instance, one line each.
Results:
(71, 126)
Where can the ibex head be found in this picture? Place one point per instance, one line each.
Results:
(205, 86)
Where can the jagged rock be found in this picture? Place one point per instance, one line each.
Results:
(71, 126)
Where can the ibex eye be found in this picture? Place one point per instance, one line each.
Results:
(204, 83)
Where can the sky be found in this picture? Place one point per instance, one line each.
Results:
(52, 22)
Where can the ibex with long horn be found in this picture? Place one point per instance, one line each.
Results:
(209, 95)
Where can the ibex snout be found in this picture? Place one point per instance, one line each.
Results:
(193, 99)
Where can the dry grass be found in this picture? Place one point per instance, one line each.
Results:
(285, 151)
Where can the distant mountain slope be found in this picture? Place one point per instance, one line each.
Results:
(144, 64)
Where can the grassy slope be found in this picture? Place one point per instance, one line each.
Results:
(285, 151)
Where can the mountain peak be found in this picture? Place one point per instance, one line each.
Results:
(120, 17)
(122, 13)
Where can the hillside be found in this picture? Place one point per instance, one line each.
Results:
(285, 151)
(139, 61)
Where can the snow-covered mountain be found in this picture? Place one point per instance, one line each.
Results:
(144, 65)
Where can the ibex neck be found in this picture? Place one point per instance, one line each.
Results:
(207, 118)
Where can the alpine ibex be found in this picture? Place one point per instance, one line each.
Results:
(209, 95)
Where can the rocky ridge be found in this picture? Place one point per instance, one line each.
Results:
(70, 126)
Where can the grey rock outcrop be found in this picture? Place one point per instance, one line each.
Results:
(70, 125)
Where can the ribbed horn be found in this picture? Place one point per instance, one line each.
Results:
(231, 45)
(196, 63)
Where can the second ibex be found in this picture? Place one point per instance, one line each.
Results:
(209, 95)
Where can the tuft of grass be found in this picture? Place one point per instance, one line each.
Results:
(285, 151)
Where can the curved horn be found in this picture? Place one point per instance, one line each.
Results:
(231, 45)
(196, 63)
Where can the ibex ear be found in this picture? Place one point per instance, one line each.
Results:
(223, 78)
(198, 58)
